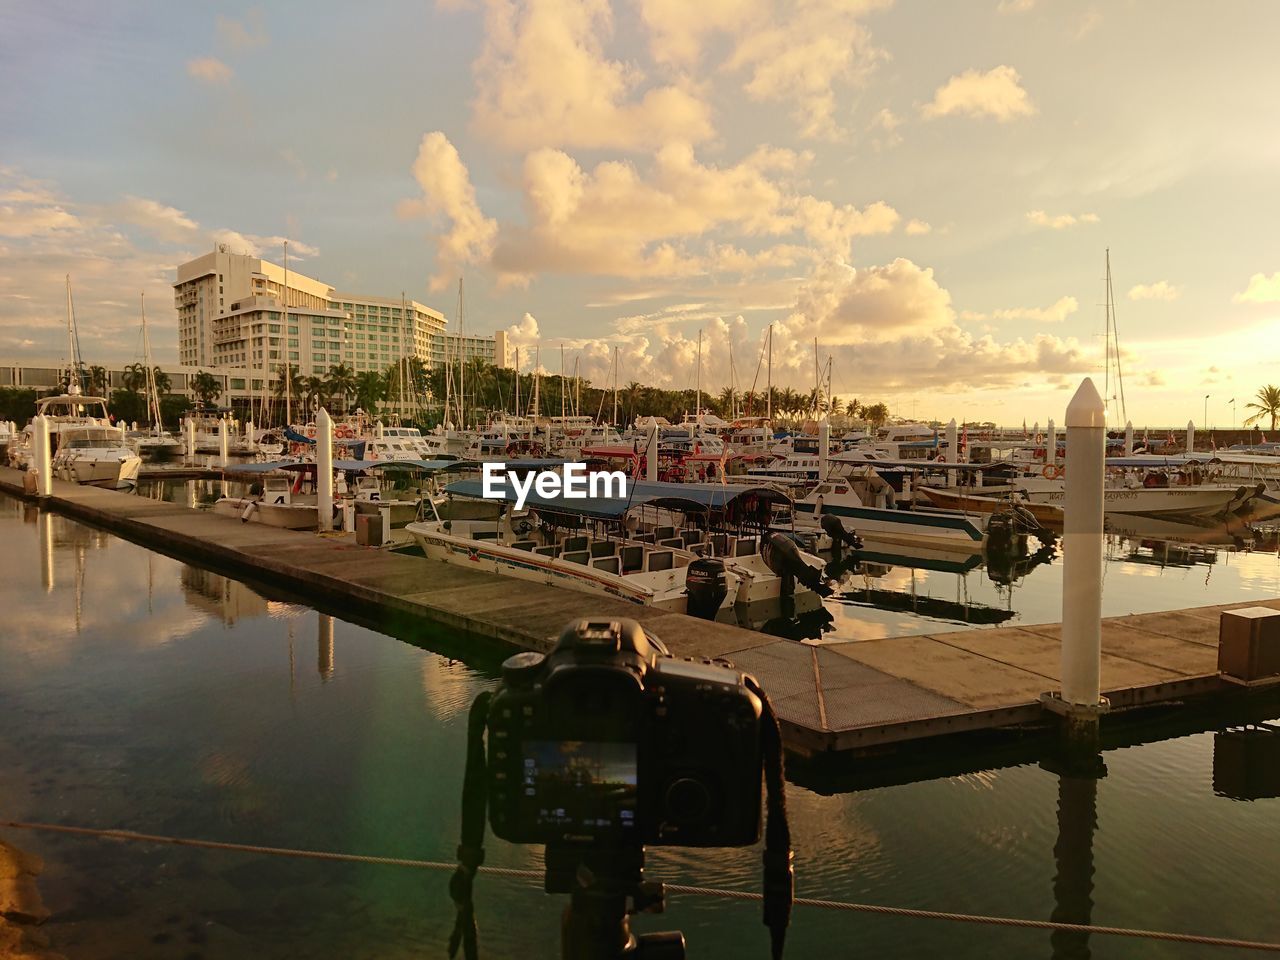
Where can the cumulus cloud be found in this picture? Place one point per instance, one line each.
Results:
(917, 228)
(1014, 6)
(1039, 218)
(268, 248)
(209, 70)
(543, 79)
(1261, 289)
(616, 220)
(842, 304)
(448, 195)
(801, 54)
(884, 127)
(158, 219)
(1054, 313)
(1160, 290)
(998, 93)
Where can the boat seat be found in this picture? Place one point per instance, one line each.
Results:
(664, 533)
(675, 543)
(720, 543)
(576, 543)
(660, 560)
(485, 535)
(524, 544)
(548, 551)
(632, 558)
(644, 538)
(701, 549)
(603, 548)
(607, 564)
(576, 556)
(745, 547)
(690, 537)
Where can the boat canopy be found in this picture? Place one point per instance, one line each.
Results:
(684, 497)
(447, 464)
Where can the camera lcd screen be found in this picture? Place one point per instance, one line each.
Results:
(587, 786)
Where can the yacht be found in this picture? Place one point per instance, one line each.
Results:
(95, 450)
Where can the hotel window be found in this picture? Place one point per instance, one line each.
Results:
(293, 354)
(293, 342)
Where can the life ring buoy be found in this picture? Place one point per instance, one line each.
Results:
(344, 432)
(1051, 471)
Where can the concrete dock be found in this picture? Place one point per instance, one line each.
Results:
(837, 697)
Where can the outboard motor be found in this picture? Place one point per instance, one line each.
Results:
(707, 585)
(840, 537)
(782, 556)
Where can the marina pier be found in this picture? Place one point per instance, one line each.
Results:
(846, 697)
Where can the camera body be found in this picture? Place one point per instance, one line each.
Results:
(610, 742)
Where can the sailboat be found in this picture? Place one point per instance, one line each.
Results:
(155, 440)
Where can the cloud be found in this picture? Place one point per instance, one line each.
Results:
(243, 34)
(269, 248)
(1055, 313)
(797, 53)
(158, 219)
(885, 127)
(1015, 6)
(1039, 218)
(1261, 289)
(1160, 290)
(209, 70)
(447, 194)
(618, 220)
(543, 80)
(917, 228)
(997, 93)
(1153, 378)
(842, 304)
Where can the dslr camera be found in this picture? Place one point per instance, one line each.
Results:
(608, 741)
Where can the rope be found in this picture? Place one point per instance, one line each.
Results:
(515, 874)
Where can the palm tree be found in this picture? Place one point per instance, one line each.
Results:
(97, 384)
(370, 388)
(340, 383)
(134, 377)
(204, 384)
(162, 381)
(1268, 405)
(312, 389)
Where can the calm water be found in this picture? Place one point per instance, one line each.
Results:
(141, 693)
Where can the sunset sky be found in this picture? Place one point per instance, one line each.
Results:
(927, 188)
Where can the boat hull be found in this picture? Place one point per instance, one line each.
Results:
(905, 527)
(1152, 501)
(287, 516)
(110, 474)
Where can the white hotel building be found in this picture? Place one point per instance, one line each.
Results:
(230, 315)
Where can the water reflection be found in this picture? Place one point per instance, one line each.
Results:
(174, 703)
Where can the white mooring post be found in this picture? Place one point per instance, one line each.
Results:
(953, 455)
(324, 470)
(1082, 563)
(223, 445)
(651, 454)
(191, 440)
(1128, 438)
(1191, 437)
(1051, 444)
(44, 459)
(248, 436)
(824, 448)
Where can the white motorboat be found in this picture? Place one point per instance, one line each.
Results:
(96, 456)
(680, 570)
(277, 506)
(99, 456)
(865, 504)
(1130, 495)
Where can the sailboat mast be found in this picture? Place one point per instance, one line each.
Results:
(769, 411)
(153, 397)
(615, 384)
(517, 378)
(537, 380)
(697, 402)
(1106, 376)
(562, 385)
(817, 380)
(266, 353)
(73, 375)
(462, 364)
(1115, 334)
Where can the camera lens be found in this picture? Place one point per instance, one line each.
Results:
(688, 800)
